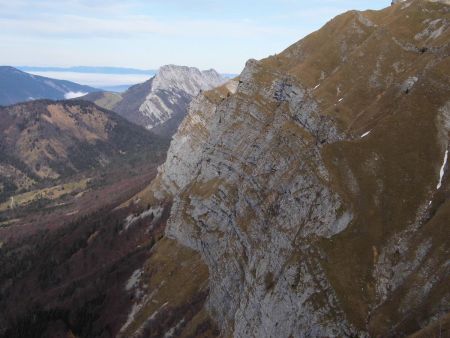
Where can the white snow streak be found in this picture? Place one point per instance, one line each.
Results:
(365, 134)
(131, 219)
(133, 280)
(442, 170)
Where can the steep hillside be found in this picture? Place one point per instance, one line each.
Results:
(161, 103)
(17, 86)
(43, 141)
(307, 198)
(317, 191)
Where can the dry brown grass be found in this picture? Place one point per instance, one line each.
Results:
(174, 275)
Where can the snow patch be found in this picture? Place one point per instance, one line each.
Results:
(365, 134)
(409, 84)
(441, 175)
(74, 95)
(133, 280)
(171, 333)
(316, 86)
(132, 219)
(134, 310)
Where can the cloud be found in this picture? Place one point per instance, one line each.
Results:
(73, 95)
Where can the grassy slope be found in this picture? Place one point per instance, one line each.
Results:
(395, 167)
(358, 64)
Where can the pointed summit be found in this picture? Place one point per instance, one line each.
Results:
(161, 103)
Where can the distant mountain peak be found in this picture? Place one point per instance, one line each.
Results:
(188, 79)
(162, 101)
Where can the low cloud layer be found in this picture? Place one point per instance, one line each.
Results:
(73, 95)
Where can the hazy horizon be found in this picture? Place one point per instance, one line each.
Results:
(106, 78)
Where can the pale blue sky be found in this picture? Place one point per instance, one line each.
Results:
(149, 33)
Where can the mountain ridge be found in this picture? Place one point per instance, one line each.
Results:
(47, 140)
(17, 86)
(308, 197)
(160, 103)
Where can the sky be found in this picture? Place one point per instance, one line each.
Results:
(146, 34)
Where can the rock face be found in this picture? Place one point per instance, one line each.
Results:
(161, 103)
(316, 187)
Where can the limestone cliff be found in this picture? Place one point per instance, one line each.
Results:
(316, 189)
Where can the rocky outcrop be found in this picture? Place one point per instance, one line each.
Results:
(172, 89)
(310, 188)
(249, 199)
